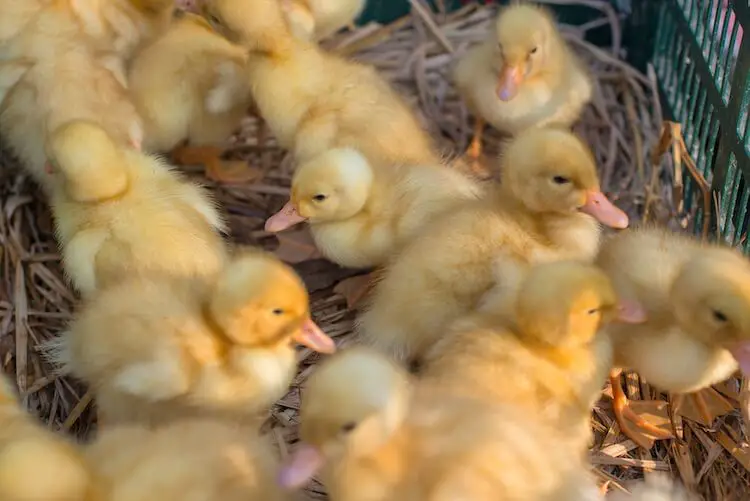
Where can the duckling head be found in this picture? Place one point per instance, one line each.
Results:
(257, 301)
(563, 304)
(525, 41)
(257, 24)
(710, 299)
(333, 186)
(353, 404)
(550, 170)
(88, 161)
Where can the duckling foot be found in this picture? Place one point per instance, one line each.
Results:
(703, 406)
(231, 172)
(474, 152)
(643, 422)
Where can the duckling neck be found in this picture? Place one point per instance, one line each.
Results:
(574, 235)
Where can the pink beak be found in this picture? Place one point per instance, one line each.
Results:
(285, 218)
(510, 79)
(631, 312)
(599, 206)
(313, 337)
(188, 5)
(741, 353)
(300, 467)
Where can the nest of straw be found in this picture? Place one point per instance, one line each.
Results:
(416, 54)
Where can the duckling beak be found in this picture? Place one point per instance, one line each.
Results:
(313, 337)
(599, 206)
(188, 5)
(510, 79)
(631, 312)
(300, 467)
(741, 353)
(285, 218)
(49, 168)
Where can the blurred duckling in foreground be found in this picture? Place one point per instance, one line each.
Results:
(65, 79)
(697, 300)
(35, 464)
(318, 19)
(191, 85)
(546, 357)
(201, 346)
(360, 215)
(120, 212)
(376, 437)
(548, 207)
(200, 460)
(314, 101)
(524, 75)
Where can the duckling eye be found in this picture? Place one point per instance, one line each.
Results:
(348, 427)
(319, 197)
(592, 311)
(278, 311)
(533, 51)
(214, 20)
(719, 316)
(560, 180)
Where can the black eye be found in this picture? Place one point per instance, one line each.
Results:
(278, 311)
(592, 311)
(348, 427)
(560, 180)
(319, 197)
(719, 316)
(533, 51)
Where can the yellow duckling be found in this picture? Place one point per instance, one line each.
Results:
(191, 84)
(120, 212)
(547, 208)
(318, 19)
(189, 459)
(193, 346)
(524, 75)
(546, 357)
(376, 437)
(697, 300)
(36, 464)
(312, 100)
(359, 215)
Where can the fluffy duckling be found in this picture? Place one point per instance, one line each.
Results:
(548, 208)
(183, 347)
(120, 212)
(121, 27)
(375, 437)
(524, 75)
(312, 100)
(318, 19)
(35, 464)
(191, 84)
(359, 215)
(546, 357)
(201, 460)
(697, 300)
(67, 80)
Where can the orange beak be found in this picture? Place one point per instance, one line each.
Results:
(599, 206)
(285, 218)
(741, 353)
(313, 337)
(511, 78)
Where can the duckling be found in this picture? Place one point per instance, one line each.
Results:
(191, 84)
(67, 80)
(312, 100)
(120, 212)
(360, 215)
(36, 464)
(376, 436)
(195, 459)
(193, 347)
(319, 19)
(524, 75)
(546, 357)
(548, 207)
(697, 300)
